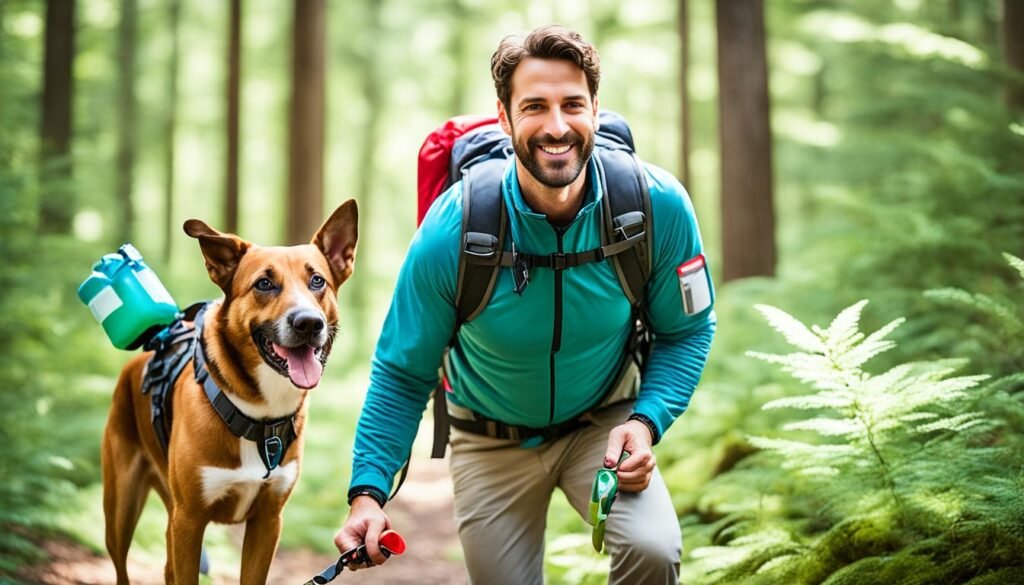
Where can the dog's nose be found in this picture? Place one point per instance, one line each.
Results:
(306, 322)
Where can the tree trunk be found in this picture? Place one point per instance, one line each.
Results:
(748, 219)
(234, 75)
(1013, 51)
(306, 149)
(170, 126)
(683, 21)
(57, 201)
(126, 118)
(374, 91)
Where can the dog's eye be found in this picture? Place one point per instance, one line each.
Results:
(317, 282)
(264, 285)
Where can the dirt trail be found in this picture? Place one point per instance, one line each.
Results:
(423, 514)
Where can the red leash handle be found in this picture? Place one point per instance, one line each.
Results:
(391, 543)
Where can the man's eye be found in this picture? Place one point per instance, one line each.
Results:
(317, 282)
(264, 285)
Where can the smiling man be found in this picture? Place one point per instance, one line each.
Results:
(543, 390)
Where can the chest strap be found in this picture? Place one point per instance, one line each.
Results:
(272, 437)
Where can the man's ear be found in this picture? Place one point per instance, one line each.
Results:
(503, 118)
(222, 252)
(336, 240)
(597, 116)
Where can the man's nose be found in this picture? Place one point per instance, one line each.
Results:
(555, 125)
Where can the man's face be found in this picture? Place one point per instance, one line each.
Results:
(551, 119)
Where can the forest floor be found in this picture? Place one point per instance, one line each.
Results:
(423, 515)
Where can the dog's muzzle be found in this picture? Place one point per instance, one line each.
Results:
(296, 345)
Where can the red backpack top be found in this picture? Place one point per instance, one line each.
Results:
(436, 158)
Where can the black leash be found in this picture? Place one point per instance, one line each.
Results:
(391, 543)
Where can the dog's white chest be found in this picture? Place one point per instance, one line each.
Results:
(245, 481)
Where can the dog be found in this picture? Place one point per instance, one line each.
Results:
(263, 346)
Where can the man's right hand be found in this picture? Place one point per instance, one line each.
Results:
(366, 521)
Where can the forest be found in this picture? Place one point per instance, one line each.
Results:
(857, 169)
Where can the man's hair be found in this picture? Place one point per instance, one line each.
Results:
(546, 42)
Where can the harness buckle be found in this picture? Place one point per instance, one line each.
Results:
(559, 261)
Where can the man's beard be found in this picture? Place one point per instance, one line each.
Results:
(558, 173)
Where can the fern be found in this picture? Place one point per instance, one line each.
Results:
(865, 420)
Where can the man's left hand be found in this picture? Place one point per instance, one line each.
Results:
(635, 472)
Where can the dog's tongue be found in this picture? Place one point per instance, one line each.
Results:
(303, 367)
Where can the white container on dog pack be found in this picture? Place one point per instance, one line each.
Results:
(127, 299)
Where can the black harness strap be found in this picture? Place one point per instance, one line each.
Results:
(172, 350)
(272, 437)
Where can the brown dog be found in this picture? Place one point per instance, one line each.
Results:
(265, 346)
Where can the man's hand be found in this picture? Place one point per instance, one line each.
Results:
(635, 472)
(366, 520)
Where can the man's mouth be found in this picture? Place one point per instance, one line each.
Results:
(302, 364)
(555, 149)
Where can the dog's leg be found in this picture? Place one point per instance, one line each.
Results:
(186, 539)
(126, 478)
(262, 532)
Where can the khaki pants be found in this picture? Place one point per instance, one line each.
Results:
(502, 492)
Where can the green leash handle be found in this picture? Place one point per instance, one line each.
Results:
(602, 496)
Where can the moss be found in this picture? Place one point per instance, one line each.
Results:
(849, 541)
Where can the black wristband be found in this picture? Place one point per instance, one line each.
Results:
(367, 490)
(655, 437)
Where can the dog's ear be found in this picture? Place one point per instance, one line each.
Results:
(336, 239)
(221, 251)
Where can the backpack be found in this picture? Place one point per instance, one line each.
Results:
(475, 150)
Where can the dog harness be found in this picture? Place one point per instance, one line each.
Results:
(173, 348)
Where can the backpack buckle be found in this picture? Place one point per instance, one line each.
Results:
(627, 223)
(481, 245)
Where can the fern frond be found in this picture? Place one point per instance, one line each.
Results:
(956, 423)
(835, 400)
(1015, 262)
(793, 330)
(828, 427)
(843, 332)
(1003, 314)
(873, 345)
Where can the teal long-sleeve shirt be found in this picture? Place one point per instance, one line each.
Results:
(521, 361)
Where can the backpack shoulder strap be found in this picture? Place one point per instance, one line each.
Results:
(484, 222)
(627, 212)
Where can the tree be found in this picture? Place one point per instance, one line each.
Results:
(748, 218)
(306, 147)
(126, 118)
(234, 75)
(1013, 51)
(170, 125)
(57, 197)
(683, 22)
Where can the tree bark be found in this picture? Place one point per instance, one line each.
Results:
(683, 21)
(170, 127)
(1013, 51)
(56, 208)
(748, 218)
(126, 118)
(233, 107)
(306, 149)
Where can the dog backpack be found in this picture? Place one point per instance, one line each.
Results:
(475, 150)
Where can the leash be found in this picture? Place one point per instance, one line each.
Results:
(391, 543)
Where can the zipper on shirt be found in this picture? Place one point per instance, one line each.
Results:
(556, 334)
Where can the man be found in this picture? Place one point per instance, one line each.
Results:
(542, 355)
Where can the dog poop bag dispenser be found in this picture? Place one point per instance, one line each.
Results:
(127, 298)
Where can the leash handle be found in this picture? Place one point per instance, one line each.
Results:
(391, 543)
